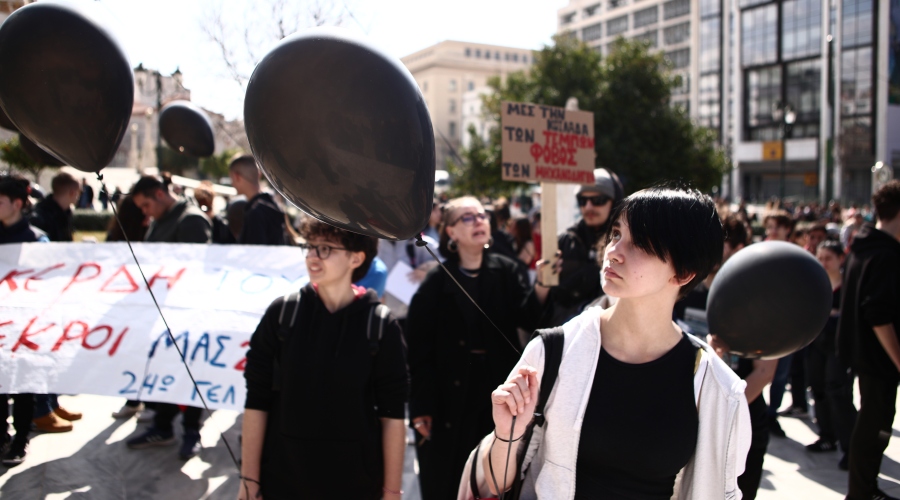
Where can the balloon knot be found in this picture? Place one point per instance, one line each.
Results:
(99, 176)
(419, 241)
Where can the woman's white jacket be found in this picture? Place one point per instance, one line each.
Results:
(723, 436)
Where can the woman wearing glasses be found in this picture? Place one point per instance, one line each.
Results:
(457, 357)
(325, 398)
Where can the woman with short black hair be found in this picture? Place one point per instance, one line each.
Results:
(648, 404)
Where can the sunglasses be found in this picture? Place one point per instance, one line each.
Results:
(322, 251)
(596, 200)
(469, 219)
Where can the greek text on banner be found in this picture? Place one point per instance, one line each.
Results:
(77, 318)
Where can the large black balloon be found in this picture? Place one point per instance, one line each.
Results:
(6, 123)
(769, 300)
(341, 130)
(65, 83)
(37, 154)
(187, 129)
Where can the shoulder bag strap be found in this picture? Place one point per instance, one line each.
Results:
(553, 350)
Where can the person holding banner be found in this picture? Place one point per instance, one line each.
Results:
(174, 221)
(327, 383)
(640, 408)
(457, 357)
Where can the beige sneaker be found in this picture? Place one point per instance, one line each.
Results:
(128, 411)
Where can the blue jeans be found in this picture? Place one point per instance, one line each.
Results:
(776, 392)
(44, 404)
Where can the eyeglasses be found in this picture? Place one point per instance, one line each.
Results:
(322, 251)
(469, 219)
(596, 200)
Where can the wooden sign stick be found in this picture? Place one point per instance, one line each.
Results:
(549, 244)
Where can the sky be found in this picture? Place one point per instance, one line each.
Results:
(168, 34)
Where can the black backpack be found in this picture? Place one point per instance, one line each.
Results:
(378, 314)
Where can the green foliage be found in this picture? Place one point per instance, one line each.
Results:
(90, 220)
(639, 135)
(479, 172)
(216, 166)
(173, 161)
(16, 157)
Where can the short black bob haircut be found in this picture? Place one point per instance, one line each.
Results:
(677, 225)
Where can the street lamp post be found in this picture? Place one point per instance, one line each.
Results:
(784, 114)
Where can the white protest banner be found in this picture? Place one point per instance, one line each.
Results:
(77, 318)
(546, 144)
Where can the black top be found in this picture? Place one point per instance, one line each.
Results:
(21, 232)
(263, 222)
(53, 220)
(640, 426)
(871, 292)
(323, 436)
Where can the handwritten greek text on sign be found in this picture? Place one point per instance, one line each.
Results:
(77, 318)
(546, 144)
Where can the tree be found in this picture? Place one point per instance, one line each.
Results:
(639, 135)
(12, 154)
(216, 166)
(479, 171)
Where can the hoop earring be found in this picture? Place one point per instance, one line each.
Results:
(452, 247)
(490, 243)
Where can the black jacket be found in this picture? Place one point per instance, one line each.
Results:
(871, 297)
(450, 382)
(323, 436)
(21, 232)
(263, 222)
(57, 223)
(183, 223)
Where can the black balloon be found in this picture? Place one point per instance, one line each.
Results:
(65, 83)
(6, 123)
(37, 154)
(342, 131)
(187, 129)
(769, 300)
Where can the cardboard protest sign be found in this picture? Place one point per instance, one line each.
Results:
(77, 318)
(546, 144)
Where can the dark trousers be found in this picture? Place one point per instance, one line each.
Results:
(166, 413)
(798, 379)
(23, 413)
(832, 388)
(44, 404)
(779, 381)
(748, 482)
(870, 434)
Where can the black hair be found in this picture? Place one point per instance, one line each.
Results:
(833, 246)
(131, 218)
(737, 232)
(353, 242)
(147, 185)
(675, 225)
(887, 201)
(15, 187)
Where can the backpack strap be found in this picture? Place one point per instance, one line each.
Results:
(553, 349)
(290, 306)
(374, 332)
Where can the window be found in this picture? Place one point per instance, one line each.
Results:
(759, 35)
(677, 34)
(763, 93)
(497, 55)
(452, 106)
(710, 7)
(617, 25)
(682, 84)
(452, 86)
(471, 85)
(679, 58)
(591, 33)
(468, 52)
(856, 82)
(590, 11)
(750, 3)
(646, 16)
(515, 57)
(856, 137)
(804, 81)
(477, 53)
(566, 19)
(801, 25)
(676, 8)
(451, 129)
(709, 109)
(710, 45)
(857, 22)
(615, 4)
(651, 38)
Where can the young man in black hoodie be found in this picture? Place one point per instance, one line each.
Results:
(325, 397)
(53, 214)
(867, 338)
(263, 219)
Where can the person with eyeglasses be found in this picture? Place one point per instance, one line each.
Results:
(579, 275)
(324, 414)
(457, 357)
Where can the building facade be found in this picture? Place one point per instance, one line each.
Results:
(446, 72)
(746, 65)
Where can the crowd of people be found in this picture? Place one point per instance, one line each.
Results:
(346, 355)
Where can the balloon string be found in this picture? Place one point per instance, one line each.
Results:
(168, 331)
(421, 243)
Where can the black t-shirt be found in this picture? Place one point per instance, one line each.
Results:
(640, 426)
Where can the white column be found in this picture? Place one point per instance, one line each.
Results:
(824, 122)
(836, 140)
(881, 86)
